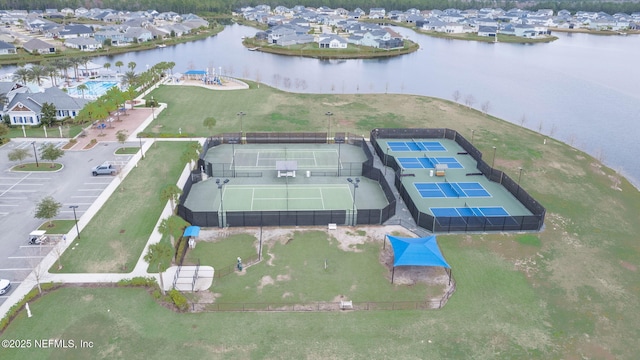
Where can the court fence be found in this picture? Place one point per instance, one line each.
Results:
(320, 306)
(459, 223)
(286, 218)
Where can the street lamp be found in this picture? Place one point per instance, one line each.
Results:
(240, 115)
(153, 107)
(339, 140)
(141, 151)
(329, 114)
(35, 153)
(472, 132)
(220, 185)
(75, 219)
(355, 183)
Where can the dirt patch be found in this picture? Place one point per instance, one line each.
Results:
(266, 280)
(88, 298)
(628, 266)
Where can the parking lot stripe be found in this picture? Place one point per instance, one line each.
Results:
(7, 205)
(25, 257)
(16, 269)
(84, 196)
(9, 189)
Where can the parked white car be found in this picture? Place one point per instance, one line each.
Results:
(5, 285)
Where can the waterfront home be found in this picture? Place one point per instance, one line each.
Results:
(332, 42)
(37, 46)
(26, 108)
(83, 44)
(7, 49)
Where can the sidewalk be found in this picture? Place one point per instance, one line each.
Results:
(41, 273)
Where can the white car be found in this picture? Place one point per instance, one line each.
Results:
(5, 285)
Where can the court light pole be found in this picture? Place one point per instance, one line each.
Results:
(329, 114)
(75, 219)
(472, 133)
(493, 161)
(220, 185)
(519, 177)
(35, 153)
(339, 140)
(241, 114)
(386, 155)
(355, 183)
(233, 141)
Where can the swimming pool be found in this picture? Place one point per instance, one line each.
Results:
(94, 90)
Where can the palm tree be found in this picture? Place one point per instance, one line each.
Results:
(21, 75)
(119, 64)
(75, 63)
(63, 65)
(131, 65)
(52, 72)
(36, 72)
(84, 60)
(129, 78)
(171, 65)
(106, 65)
(83, 88)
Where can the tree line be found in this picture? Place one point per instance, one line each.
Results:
(226, 6)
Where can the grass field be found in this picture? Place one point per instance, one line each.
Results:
(115, 237)
(571, 291)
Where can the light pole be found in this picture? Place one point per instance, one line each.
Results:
(233, 141)
(472, 133)
(329, 114)
(35, 153)
(153, 108)
(220, 185)
(355, 183)
(339, 140)
(141, 151)
(241, 114)
(386, 155)
(75, 219)
(519, 177)
(493, 161)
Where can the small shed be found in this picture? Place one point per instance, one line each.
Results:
(441, 169)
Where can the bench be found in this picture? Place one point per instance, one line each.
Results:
(333, 226)
(346, 305)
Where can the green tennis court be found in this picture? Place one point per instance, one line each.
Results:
(265, 159)
(283, 197)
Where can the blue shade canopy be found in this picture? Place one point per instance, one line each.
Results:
(417, 252)
(191, 231)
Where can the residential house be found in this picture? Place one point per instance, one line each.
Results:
(294, 39)
(6, 48)
(37, 46)
(83, 44)
(137, 35)
(332, 42)
(75, 31)
(9, 89)
(26, 108)
(490, 31)
(116, 37)
(377, 13)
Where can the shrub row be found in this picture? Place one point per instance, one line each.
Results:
(138, 282)
(145, 134)
(179, 300)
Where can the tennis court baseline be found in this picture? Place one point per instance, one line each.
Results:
(429, 163)
(265, 159)
(451, 189)
(283, 197)
(415, 146)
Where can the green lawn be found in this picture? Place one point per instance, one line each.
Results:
(569, 291)
(40, 166)
(222, 254)
(127, 150)
(115, 237)
(53, 133)
(59, 226)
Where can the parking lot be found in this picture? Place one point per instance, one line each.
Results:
(21, 191)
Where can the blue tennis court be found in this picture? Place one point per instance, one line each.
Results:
(416, 146)
(453, 189)
(429, 163)
(469, 211)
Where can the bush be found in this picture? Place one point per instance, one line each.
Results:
(179, 300)
(138, 282)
